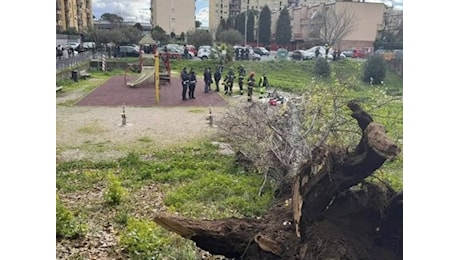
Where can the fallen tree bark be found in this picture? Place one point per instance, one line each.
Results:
(320, 217)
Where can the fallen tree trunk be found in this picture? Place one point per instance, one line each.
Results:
(321, 218)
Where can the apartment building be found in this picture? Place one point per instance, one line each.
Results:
(176, 16)
(77, 14)
(223, 9)
(368, 22)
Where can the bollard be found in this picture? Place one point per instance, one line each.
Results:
(103, 62)
(123, 117)
(210, 118)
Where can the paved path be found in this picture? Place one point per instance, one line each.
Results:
(115, 93)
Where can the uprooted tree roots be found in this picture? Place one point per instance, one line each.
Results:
(324, 207)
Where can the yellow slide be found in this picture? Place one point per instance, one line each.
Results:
(146, 73)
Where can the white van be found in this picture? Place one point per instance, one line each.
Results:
(89, 45)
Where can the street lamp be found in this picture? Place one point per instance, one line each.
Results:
(246, 25)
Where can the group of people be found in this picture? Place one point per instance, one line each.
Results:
(189, 82)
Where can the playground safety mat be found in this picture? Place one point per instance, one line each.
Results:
(115, 93)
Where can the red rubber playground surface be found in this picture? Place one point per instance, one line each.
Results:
(115, 93)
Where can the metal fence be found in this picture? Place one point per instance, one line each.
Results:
(67, 61)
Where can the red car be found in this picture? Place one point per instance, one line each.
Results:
(357, 54)
(191, 49)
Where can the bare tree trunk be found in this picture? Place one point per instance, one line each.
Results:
(322, 218)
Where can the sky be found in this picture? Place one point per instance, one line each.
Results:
(139, 10)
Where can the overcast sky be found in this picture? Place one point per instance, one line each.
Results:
(139, 10)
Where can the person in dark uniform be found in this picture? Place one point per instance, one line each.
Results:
(251, 84)
(263, 85)
(185, 82)
(218, 76)
(228, 81)
(192, 84)
(241, 75)
(246, 53)
(207, 80)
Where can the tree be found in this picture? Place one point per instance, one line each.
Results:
(324, 208)
(283, 28)
(138, 26)
(250, 27)
(265, 22)
(231, 37)
(197, 24)
(182, 36)
(113, 18)
(331, 25)
(230, 24)
(222, 27)
(391, 36)
(159, 35)
(131, 34)
(240, 23)
(199, 37)
(172, 35)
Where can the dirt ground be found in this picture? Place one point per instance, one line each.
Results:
(84, 130)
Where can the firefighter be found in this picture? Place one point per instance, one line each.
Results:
(228, 81)
(185, 82)
(218, 75)
(263, 85)
(192, 85)
(241, 75)
(251, 84)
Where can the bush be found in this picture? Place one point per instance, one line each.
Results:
(67, 225)
(322, 68)
(114, 192)
(374, 68)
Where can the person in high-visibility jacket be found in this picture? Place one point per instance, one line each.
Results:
(228, 82)
(241, 75)
(263, 85)
(251, 84)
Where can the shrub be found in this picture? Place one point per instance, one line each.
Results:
(67, 225)
(374, 68)
(114, 192)
(322, 68)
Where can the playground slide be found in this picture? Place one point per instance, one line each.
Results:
(146, 73)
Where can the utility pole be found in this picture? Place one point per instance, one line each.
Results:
(246, 24)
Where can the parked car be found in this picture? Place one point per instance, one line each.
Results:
(348, 53)
(322, 52)
(75, 46)
(261, 51)
(173, 52)
(204, 52)
(127, 51)
(353, 53)
(89, 45)
(192, 50)
(240, 50)
(302, 55)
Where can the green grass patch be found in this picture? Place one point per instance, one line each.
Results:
(143, 239)
(92, 129)
(145, 139)
(237, 193)
(294, 76)
(67, 224)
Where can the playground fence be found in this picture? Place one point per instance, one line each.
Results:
(74, 60)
